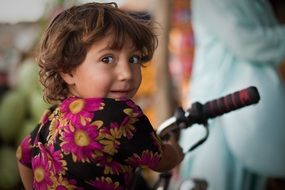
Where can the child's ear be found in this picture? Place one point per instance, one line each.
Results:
(67, 77)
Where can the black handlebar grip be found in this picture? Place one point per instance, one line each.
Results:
(231, 102)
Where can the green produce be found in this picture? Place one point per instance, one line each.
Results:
(37, 105)
(28, 77)
(9, 175)
(27, 127)
(13, 109)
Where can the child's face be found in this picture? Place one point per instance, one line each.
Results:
(106, 72)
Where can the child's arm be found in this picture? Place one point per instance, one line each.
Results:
(172, 155)
(26, 176)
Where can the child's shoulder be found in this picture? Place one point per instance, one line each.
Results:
(77, 105)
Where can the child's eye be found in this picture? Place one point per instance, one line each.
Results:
(108, 59)
(135, 59)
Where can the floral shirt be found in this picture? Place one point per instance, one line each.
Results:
(93, 143)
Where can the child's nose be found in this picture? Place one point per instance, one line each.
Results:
(124, 71)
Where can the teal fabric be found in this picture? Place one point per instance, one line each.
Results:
(239, 43)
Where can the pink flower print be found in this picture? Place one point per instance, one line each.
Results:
(111, 136)
(81, 142)
(127, 127)
(105, 183)
(54, 158)
(80, 111)
(111, 166)
(115, 131)
(136, 110)
(64, 184)
(42, 173)
(148, 158)
(43, 151)
(61, 187)
(54, 130)
(130, 112)
(58, 164)
(24, 151)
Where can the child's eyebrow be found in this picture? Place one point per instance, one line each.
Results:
(110, 47)
(107, 47)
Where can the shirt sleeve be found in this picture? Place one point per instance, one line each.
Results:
(126, 126)
(145, 145)
(24, 152)
(248, 28)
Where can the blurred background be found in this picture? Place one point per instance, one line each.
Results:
(165, 78)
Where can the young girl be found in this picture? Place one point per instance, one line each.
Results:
(95, 136)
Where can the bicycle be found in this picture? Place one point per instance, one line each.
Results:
(200, 114)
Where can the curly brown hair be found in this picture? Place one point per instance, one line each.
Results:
(72, 32)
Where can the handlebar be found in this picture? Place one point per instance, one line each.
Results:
(200, 113)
